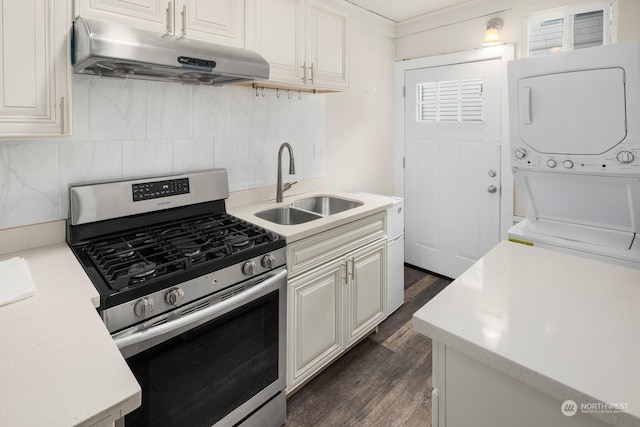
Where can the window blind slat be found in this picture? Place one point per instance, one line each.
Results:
(451, 101)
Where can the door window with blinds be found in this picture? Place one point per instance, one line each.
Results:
(453, 101)
(570, 28)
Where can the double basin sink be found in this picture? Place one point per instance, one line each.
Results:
(305, 210)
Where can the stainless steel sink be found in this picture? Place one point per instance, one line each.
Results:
(287, 215)
(325, 205)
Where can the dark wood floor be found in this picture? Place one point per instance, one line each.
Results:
(383, 381)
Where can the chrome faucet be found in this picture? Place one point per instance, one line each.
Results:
(292, 169)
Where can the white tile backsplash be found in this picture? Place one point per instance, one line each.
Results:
(168, 110)
(117, 109)
(192, 154)
(127, 128)
(247, 112)
(278, 118)
(211, 113)
(146, 157)
(28, 183)
(81, 121)
(232, 153)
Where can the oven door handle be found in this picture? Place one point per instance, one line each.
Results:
(136, 342)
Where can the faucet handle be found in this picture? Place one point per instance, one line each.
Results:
(288, 185)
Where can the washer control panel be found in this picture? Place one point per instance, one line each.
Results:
(625, 160)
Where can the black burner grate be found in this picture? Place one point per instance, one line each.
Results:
(152, 252)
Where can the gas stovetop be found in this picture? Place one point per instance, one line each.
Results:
(131, 264)
(144, 255)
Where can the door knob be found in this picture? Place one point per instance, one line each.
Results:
(492, 173)
(492, 189)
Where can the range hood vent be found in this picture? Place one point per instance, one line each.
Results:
(114, 50)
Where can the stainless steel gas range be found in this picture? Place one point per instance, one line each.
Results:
(195, 299)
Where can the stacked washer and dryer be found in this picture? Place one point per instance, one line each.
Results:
(575, 145)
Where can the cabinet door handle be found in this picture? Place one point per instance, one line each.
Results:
(184, 20)
(311, 69)
(350, 268)
(353, 269)
(169, 13)
(343, 272)
(62, 115)
(304, 72)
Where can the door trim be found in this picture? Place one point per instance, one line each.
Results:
(503, 52)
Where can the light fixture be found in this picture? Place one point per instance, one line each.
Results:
(492, 36)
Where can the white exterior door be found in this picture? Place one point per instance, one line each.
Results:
(452, 170)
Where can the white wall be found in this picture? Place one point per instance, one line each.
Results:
(359, 121)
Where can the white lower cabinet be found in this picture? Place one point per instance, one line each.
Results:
(366, 289)
(467, 392)
(316, 332)
(338, 299)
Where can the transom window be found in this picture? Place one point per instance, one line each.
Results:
(459, 100)
(570, 28)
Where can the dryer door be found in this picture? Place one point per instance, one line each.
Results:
(608, 202)
(578, 112)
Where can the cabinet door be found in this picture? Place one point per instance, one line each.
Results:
(367, 278)
(314, 324)
(327, 46)
(217, 21)
(278, 35)
(154, 15)
(35, 89)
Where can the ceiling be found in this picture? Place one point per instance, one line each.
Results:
(402, 10)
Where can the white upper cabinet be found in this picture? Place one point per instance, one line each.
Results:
(327, 46)
(306, 42)
(217, 21)
(36, 75)
(278, 35)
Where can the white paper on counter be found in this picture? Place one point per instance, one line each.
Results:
(16, 282)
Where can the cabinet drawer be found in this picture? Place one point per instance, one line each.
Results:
(321, 248)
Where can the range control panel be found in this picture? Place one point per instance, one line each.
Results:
(625, 159)
(157, 189)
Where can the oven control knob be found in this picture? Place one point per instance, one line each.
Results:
(551, 163)
(521, 153)
(144, 307)
(625, 157)
(568, 164)
(174, 297)
(268, 260)
(249, 268)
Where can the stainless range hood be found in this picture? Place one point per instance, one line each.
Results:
(114, 50)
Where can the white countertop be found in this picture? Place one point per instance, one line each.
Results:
(292, 233)
(59, 280)
(60, 366)
(565, 325)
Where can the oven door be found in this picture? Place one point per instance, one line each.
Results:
(218, 364)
